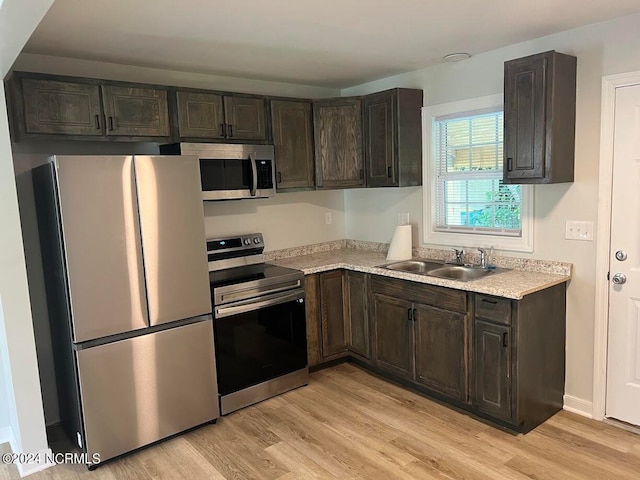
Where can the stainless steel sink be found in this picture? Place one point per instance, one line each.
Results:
(463, 273)
(413, 266)
(436, 268)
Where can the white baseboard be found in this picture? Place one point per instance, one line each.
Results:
(25, 469)
(29, 468)
(5, 434)
(578, 405)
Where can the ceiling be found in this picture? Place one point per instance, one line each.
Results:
(332, 43)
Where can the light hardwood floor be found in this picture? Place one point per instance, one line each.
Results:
(348, 424)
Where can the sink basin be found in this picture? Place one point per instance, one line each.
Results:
(413, 266)
(459, 272)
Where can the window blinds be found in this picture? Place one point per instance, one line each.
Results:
(470, 195)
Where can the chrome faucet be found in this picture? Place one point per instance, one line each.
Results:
(459, 253)
(483, 257)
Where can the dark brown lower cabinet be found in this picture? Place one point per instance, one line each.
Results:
(499, 358)
(493, 369)
(312, 307)
(394, 335)
(358, 315)
(333, 327)
(442, 350)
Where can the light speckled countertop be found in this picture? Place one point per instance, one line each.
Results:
(513, 284)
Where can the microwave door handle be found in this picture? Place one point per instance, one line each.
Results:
(254, 173)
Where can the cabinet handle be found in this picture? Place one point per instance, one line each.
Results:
(492, 302)
(389, 172)
(111, 124)
(415, 314)
(362, 173)
(509, 164)
(223, 130)
(97, 122)
(505, 340)
(230, 130)
(409, 314)
(279, 177)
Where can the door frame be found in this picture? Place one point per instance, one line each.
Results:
(610, 84)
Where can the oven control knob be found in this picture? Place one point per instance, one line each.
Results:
(256, 240)
(247, 241)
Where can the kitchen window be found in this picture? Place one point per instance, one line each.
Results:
(466, 203)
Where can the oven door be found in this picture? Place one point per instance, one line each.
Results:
(259, 340)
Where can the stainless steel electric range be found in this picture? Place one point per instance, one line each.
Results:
(259, 323)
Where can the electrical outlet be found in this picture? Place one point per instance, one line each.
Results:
(579, 230)
(327, 218)
(403, 218)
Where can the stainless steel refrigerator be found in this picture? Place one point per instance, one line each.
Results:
(124, 254)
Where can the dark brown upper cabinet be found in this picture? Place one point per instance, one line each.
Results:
(208, 115)
(539, 118)
(292, 127)
(246, 117)
(393, 138)
(200, 115)
(58, 107)
(136, 111)
(48, 105)
(337, 127)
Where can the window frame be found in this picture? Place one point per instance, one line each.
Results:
(522, 243)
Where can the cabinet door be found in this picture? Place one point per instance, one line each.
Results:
(338, 133)
(292, 126)
(441, 350)
(61, 107)
(332, 318)
(246, 118)
(312, 310)
(492, 369)
(136, 112)
(525, 113)
(200, 115)
(394, 335)
(379, 136)
(358, 314)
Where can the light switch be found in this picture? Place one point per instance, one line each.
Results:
(579, 230)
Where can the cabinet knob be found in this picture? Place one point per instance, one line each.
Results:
(230, 130)
(223, 130)
(509, 164)
(279, 177)
(389, 171)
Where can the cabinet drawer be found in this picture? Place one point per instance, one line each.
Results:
(493, 308)
(440, 297)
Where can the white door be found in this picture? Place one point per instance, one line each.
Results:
(623, 366)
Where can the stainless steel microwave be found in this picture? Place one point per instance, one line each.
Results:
(231, 171)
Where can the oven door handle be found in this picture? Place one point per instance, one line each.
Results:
(256, 304)
(254, 174)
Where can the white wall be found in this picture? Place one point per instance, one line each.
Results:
(5, 420)
(602, 49)
(17, 347)
(287, 220)
(29, 62)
